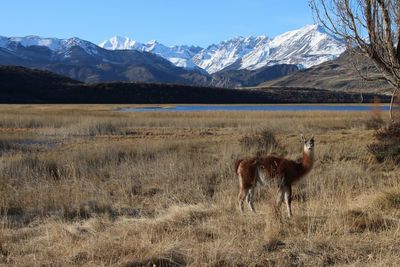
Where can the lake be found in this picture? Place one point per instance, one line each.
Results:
(298, 107)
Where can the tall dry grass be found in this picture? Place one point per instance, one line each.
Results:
(87, 186)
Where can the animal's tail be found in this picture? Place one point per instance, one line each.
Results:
(237, 163)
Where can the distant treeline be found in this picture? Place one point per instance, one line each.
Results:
(22, 85)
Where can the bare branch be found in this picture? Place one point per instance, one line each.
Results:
(379, 19)
(397, 14)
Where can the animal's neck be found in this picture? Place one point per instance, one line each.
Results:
(308, 160)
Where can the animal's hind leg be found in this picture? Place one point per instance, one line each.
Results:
(279, 200)
(288, 199)
(250, 199)
(242, 195)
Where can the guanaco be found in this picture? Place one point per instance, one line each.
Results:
(252, 171)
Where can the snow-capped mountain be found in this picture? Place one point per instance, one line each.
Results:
(61, 47)
(180, 56)
(308, 46)
(305, 47)
(217, 57)
(121, 43)
(52, 43)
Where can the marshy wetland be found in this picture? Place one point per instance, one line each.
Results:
(86, 185)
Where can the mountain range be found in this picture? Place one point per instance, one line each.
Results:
(305, 47)
(240, 61)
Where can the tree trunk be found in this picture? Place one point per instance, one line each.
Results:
(391, 103)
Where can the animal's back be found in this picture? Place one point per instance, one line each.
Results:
(246, 170)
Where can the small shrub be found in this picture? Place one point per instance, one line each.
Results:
(375, 122)
(358, 222)
(170, 259)
(389, 200)
(394, 199)
(103, 129)
(6, 146)
(87, 209)
(262, 142)
(387, 146)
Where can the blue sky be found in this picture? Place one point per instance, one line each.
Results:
(197, 22)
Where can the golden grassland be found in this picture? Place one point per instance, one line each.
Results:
(84, 185)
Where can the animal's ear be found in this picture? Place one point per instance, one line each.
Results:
(302, 138)
(312, 138)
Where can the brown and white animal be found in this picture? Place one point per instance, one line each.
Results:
(252, 171)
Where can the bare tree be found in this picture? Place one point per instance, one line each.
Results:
(370, 28)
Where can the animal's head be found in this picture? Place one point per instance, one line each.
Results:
(308, 144)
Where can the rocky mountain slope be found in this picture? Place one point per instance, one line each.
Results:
(341, 74)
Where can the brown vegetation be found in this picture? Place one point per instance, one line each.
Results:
(88, 186)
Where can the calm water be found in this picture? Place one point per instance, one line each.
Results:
(186, 108)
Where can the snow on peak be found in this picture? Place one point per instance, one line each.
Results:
(180, 56)
(51, 43)
(67, 44)
(58, 46)
(120, 43)
(219, 56)
(296, 35)
(307, 46)
(152, 42)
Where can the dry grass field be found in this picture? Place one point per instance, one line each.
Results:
(89, 186)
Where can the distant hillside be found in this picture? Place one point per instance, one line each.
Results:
(339, 75)
(21, 85)
(11, 76)
(237, 78)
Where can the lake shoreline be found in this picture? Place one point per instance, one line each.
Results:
(257, 107)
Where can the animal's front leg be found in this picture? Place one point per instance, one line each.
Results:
(279, 197)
